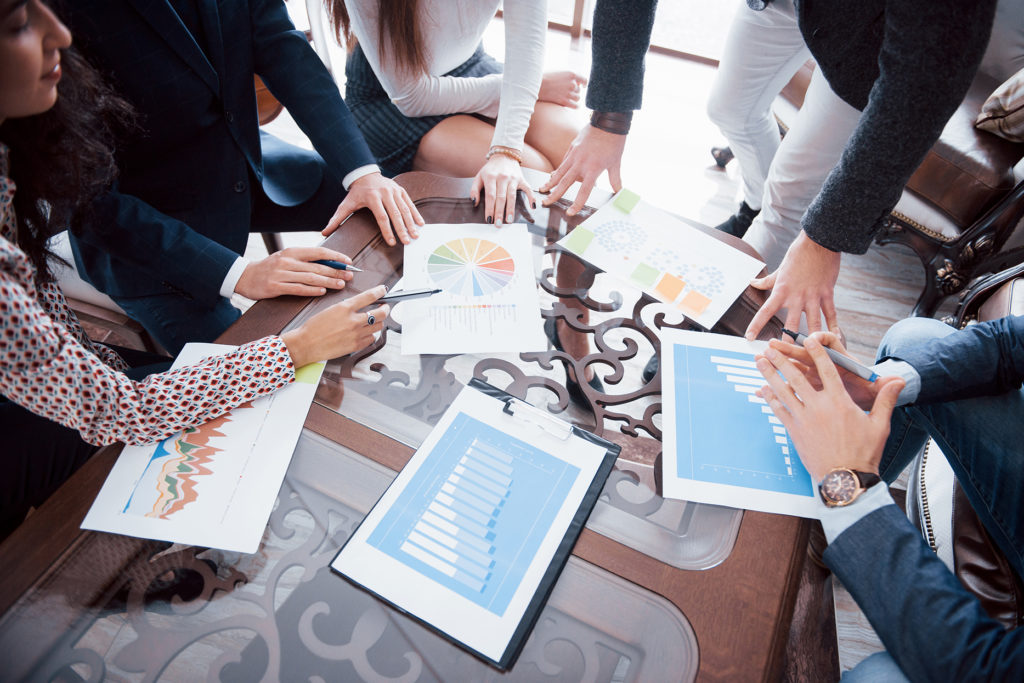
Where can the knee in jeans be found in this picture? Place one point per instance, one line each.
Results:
(909, 333)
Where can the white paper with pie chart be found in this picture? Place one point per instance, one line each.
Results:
(489, 299)
(665, 257)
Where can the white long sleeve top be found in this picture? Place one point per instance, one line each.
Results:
(451, 31)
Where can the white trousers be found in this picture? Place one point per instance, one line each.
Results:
(806, 156)
(762, 52)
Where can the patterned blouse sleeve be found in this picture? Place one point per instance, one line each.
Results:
(46, 370)
(57, 307)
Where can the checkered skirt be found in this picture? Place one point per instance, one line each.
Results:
(392, 136)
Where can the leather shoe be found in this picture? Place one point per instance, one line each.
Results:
(651, 369)
(738, 223)
(571, 384)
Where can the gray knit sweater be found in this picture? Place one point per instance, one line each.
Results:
(906, 64)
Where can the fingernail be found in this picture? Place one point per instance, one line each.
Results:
(341, 283)
(748, 336)
(535, 205)
(490, 219)
(510, 218)
(323, 290)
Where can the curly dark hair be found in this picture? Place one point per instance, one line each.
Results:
(63, 158)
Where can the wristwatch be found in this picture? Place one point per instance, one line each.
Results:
(842, 486)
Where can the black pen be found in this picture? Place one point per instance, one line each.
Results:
(403, 294)
(338, 265)
(839, 359)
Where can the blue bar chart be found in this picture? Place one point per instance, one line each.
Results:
(726, 433)
(475, 515)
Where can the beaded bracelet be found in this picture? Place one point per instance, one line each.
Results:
(612, 121)
(510, 152)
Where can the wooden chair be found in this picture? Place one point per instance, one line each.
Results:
(962, 204)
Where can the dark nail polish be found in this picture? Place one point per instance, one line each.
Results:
(490, 219)
(535, 205)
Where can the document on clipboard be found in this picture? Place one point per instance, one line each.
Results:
(474, 531)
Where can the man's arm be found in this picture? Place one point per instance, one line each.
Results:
(932, 627)
(929, 54)
(298, 79)
(622, 34)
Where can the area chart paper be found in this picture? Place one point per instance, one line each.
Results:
(214, 484)
(722, 443)
(488, 302)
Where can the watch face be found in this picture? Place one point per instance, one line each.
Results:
(839, 487)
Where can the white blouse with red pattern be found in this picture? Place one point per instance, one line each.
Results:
(49, 366)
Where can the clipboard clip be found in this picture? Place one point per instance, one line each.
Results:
(521, 410)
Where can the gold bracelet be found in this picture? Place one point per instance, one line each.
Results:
(510, 152)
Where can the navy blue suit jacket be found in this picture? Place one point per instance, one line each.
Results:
(180, 213)
(932, 627)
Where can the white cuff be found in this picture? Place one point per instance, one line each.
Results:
(227, 288)
(837, 520)
(358, 173)
(899, 368)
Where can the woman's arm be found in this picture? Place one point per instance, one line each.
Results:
(423, 94)
(525, 27)
(47, 370)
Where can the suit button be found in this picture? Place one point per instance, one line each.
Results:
(229, 116)
(239, 186)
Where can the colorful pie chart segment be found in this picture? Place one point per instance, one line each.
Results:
(471, 267)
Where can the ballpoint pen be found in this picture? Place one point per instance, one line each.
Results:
(338, 265)
(839, 359)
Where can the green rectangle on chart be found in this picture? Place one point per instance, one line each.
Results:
(578, 240)
(626, 201)
(309, 374)
(645, 275)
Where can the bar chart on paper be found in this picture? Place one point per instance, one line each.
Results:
(725, 433)
(475, 515)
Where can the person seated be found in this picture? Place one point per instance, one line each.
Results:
(428, 98)
(962, 388)
(166, 241)
(763, 50)
(63, 395)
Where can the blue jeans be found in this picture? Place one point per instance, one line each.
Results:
(981, 438)
(878, 668)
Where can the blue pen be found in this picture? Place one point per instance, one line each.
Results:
(839, 359)
(338, 265)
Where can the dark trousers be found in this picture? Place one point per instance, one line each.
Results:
(39, 454)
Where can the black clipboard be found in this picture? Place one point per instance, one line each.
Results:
(520, 410)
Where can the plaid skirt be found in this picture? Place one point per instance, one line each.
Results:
(392, 136)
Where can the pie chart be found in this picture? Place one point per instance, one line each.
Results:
(471, 267)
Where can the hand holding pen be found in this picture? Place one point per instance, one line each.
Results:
(858, 384)
(299, 271)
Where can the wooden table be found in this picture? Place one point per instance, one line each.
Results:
(658, 589)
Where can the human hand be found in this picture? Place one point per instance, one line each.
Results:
(592, 152)
(861, 391)
(561, 87)
(338, 330)
(390, 204)
(292, 271)
(500, 179)
(804, 283)
(828, 429)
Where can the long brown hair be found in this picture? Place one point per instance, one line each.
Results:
(398, 32)
(63, 158)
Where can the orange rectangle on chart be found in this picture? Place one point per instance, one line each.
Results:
(694, 303)
(669, 287)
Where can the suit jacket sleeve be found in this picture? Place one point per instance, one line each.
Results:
(622, 34)
(931, 626)
(986, 359)
(929, 54)
(299, 80)
(160, 246)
